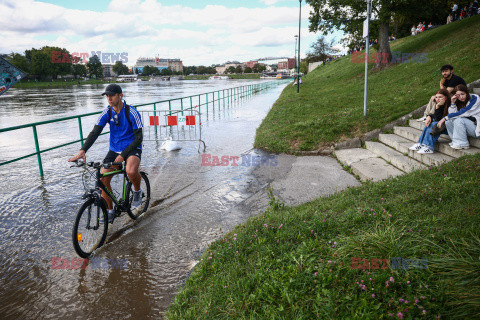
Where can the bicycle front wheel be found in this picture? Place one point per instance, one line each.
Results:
(136, 212)
(90, 229)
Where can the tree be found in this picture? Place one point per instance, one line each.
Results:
(166, 72)
(321, 49)
(95, 67)
(19, 61)
(230, 69)
(238, 69)
(304, 66)
(119, 68)
(49, 61)
(79, 70)
(41, 64)
(262, 68)
(348, 15)
(247, 70)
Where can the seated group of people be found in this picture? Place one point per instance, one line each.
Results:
(420, 28)
(453, 111)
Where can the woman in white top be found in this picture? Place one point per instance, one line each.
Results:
(463, 118)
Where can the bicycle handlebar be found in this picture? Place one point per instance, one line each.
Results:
(96, 165)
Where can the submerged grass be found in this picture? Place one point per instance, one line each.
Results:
(319, 260)
(329, 107)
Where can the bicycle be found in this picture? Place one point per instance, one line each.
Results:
(91, 224)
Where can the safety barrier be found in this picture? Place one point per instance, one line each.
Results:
(208, 100)
(180, 125)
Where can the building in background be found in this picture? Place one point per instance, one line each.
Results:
(174, 64)
(221, 69)
(285, 65)
(108, 71)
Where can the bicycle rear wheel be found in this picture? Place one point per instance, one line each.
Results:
(134, 213)
(90, 228)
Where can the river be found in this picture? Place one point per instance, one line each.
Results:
(192, 204)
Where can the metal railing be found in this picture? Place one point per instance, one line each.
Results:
(204, 99)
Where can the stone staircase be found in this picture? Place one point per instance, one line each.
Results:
(390, 156)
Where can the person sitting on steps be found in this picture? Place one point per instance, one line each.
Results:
(463, 118)
(449, 81)
(426, 142)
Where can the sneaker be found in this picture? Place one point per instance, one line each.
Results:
(137, 198)
(416, 147)
(422, 119)
(111, 217)
(425, 150)
(453, 146)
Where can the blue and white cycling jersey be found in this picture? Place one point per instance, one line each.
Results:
(121, 136)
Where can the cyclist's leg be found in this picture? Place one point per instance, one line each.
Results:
(110, 157)
(133, 164)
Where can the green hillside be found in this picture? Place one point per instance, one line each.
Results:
(329, 107)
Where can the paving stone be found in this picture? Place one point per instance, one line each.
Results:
(349, 156)
(395, 157)
(374, 169)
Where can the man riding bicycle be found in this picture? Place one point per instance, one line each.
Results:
(125, 142)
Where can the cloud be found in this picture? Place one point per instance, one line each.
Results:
(212, 34)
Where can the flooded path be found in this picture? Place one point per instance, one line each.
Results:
(192, 206)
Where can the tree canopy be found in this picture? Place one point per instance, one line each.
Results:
(348, 16)
(119, 68)
(95, 67)
(321, 50)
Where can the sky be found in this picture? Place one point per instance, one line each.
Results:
(199, 32)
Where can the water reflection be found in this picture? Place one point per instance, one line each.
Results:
(190, 204)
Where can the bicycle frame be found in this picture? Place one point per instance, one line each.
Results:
(120, 203)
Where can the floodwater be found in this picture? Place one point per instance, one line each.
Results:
(139, 269)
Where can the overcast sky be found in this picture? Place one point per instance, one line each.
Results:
(199, 32)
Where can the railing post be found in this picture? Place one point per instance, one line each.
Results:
(80, 130)
(37, 148)
(181, 105)
(154, 114)
(199, 103)
(170, 107)
(213, 100)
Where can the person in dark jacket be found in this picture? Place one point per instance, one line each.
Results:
(426, 143)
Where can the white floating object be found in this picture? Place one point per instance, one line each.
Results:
(170, 145)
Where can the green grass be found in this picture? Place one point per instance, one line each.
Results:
(296, 262)
(57, 83)
(232, 76)
(329, 107)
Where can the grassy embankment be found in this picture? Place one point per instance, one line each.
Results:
(329, 107)
(232, 76)
(296, 262)
(57, 83)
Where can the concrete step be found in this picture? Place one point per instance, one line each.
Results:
(420, 125)
(396, 158)
(366, 164)
(474, 142)
(445, 148)
(402, 144)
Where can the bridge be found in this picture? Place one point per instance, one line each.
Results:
(273, 58)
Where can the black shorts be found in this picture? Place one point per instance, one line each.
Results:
(112, 155)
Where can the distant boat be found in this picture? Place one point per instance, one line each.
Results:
(219, 78)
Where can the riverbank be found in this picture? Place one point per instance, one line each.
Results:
(231, 76)
(329, 107)
(403, 247)
(57, 83)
